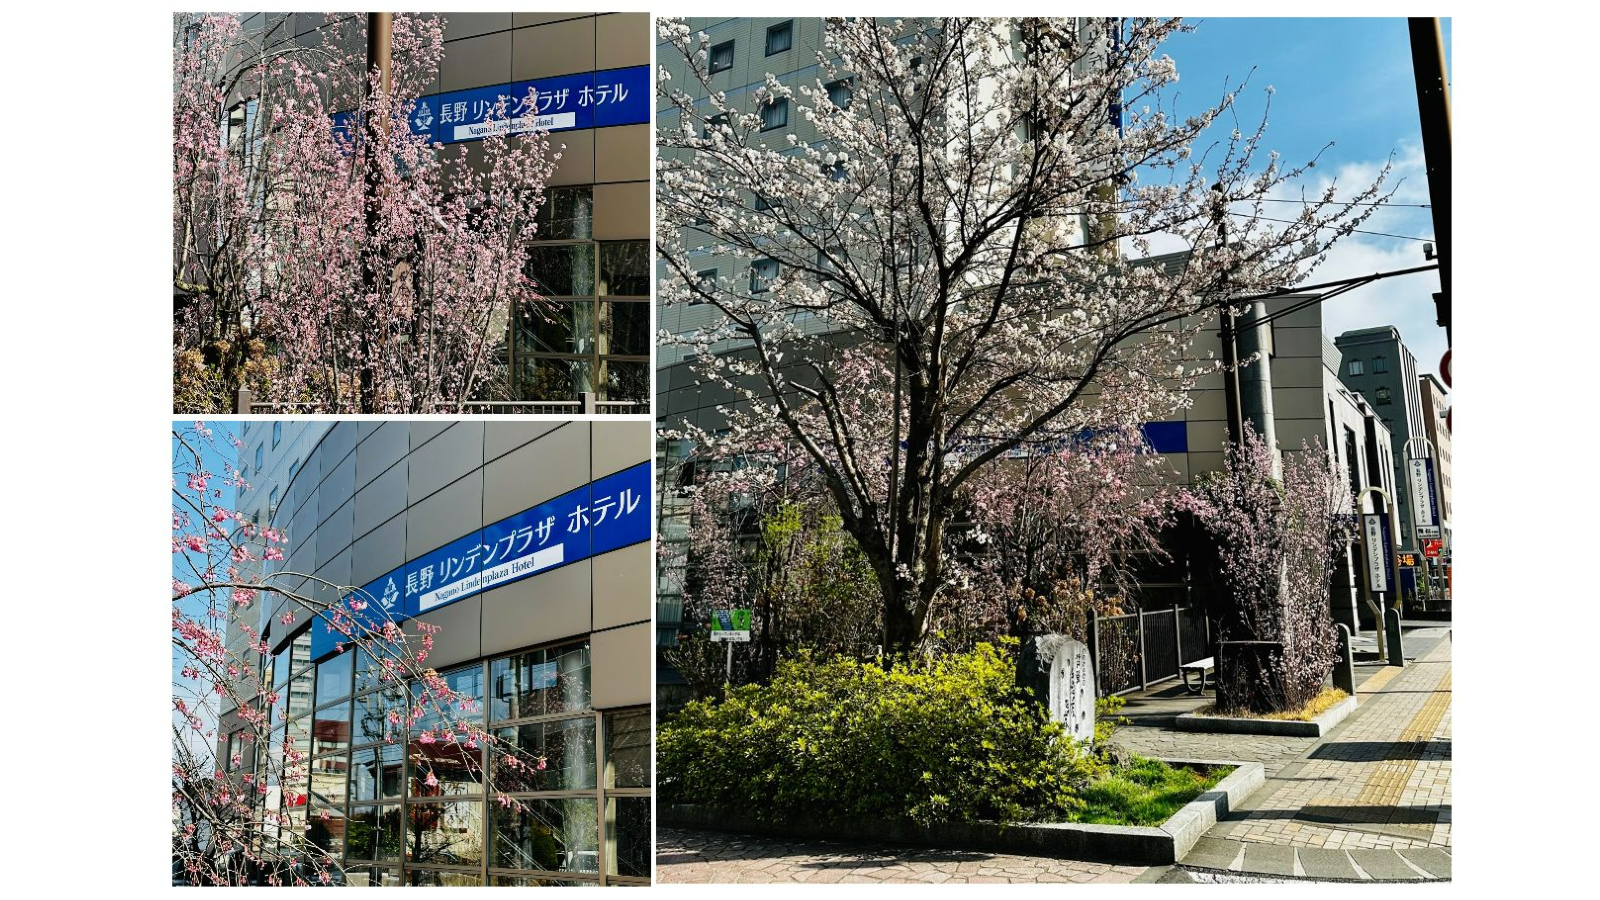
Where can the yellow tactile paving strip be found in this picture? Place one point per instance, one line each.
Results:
(1384, 782)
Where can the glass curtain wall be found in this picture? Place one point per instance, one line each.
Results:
(592, 331)
(411, 806)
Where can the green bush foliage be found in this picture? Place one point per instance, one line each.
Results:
(936, 740)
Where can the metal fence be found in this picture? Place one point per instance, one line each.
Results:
(587, 404)
(1133, 651)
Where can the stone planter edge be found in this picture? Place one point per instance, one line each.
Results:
(1116, 844)
(1317, 727)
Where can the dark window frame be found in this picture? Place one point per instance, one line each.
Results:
(783, 31)
(778, 103)
(716, 50)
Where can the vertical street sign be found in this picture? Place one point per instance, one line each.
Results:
(1379, 556)
(1424, 498)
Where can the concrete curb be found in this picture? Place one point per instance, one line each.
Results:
(1118, 844)
(1317, 727)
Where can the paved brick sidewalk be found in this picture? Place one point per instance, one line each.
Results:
(1370, 801)
(700, 857)
(1381, 781)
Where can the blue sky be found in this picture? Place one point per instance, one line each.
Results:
(219, 450)
(1349, 82)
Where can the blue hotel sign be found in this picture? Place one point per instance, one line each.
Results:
(604, 515)
(563, 103)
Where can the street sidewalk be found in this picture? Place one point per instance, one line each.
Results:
(1369, 801)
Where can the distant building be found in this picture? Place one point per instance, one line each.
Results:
(1376, 364)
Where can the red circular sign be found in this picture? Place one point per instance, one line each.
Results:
(1444, 369)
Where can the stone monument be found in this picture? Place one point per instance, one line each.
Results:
(1061, 674)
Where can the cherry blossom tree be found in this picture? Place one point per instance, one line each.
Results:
(954, 229)
(1277, 541)
(1055, 528)
(239, 809)
(323, 254)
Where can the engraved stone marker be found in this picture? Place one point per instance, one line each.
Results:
(1061, 674)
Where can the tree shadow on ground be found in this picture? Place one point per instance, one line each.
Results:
(1381, 751)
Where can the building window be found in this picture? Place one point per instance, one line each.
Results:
(261, 450)
(722, 57)
(1383, 396)
(272, 505)
(762, 203)
(625, 269)
(706, 282)
(1356, 367)
(566, 215)
(762, 273)
(277, 434)
(839, 93)
(1380, 364)
(780, 37)
(293, 468)
(826, 262)
(775, 114)
(713, 122)
(562, 270)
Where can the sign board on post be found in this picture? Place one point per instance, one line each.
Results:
(1424, 499)
(730, 625)
(1376, 528)
(1407, 559)
(1432, 548)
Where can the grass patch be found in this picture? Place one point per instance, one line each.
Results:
(1319, 704)
(1146, 792)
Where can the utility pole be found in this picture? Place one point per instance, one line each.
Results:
(1433, 106)
(380, 30)
(1228, 334)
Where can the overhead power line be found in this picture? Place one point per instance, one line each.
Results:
(1339, 202)
(1354, 229)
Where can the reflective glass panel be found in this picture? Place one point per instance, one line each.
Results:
(625, 328)
(546, 756)
(628, 836)
(325, 829)
(448, 834)
(539, 683)
(376, 772)
(439, 878)
(330, 729)
(625, 268)
(554, 326)
(562, 270)
(628, 749)
(625, 380)
(456, 710)
(372, 719)
(328, 779)
(333, 677)
(452, 769)
(373, 832)
(552, 835)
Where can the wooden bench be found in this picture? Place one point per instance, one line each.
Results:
(1200, 665)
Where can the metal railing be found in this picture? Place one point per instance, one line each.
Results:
(1133, 651)
(587, 404)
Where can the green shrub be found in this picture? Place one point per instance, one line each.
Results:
(946, 739)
